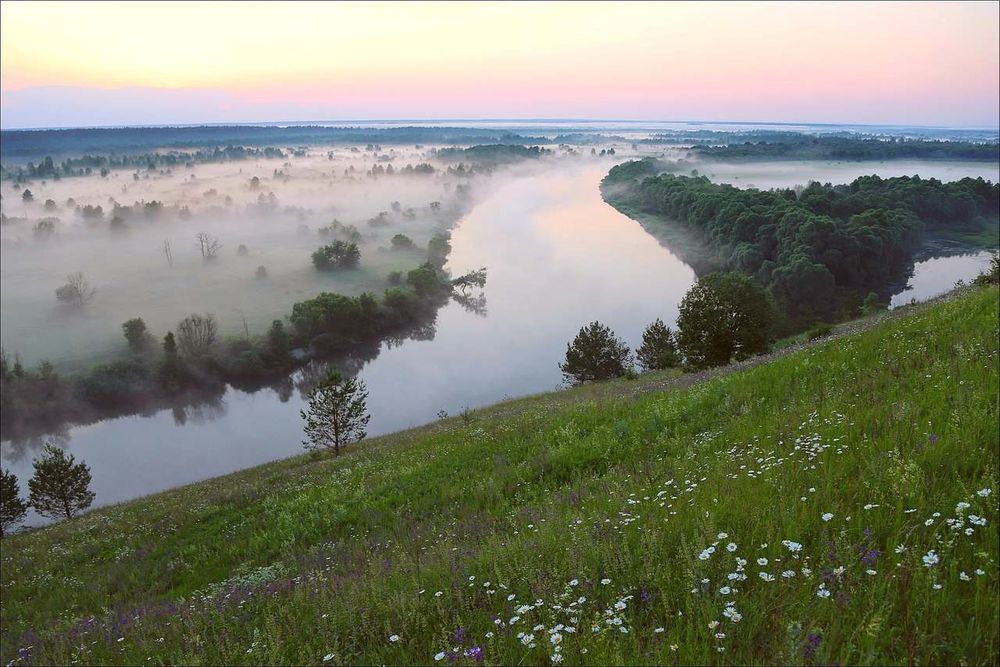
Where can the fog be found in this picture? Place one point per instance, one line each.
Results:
(278, 223)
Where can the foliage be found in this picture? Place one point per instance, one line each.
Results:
(595, 354)
(658, 350)
(402, 242)
(816, 251)
(12, 508)
(810, 147)
(136, 334)
(337, 255)
(724, 316)
(60, 487)
(337, 414)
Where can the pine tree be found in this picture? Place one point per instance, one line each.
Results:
(12, 508)
(596, 354)
(658, 349)
(60, 486)
(337, 413)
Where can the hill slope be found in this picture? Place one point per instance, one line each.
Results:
(837, 504)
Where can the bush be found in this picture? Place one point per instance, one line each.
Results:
(337, 255)
(819, 331)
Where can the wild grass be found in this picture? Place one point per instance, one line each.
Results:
(835, 504)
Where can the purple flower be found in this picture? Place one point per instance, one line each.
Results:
(813, 641)
(870, 556)
(459, 636)
(476, 653)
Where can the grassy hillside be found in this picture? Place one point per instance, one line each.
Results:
(837, 504)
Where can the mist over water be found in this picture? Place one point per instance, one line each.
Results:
(558, 258)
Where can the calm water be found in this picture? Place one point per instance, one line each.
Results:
(558, 258)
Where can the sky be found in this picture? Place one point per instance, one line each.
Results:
(94, 63)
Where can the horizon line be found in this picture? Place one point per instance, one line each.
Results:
(271, 123)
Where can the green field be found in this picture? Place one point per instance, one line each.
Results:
(837, 503)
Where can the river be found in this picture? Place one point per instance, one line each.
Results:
(558, 258)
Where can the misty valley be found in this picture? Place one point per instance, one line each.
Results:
(461, 269)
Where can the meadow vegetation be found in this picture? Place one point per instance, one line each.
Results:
(834, 504)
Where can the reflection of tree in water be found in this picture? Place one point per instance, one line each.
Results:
(284, 388)
(203, 411)
(473, 303)
(15, 451)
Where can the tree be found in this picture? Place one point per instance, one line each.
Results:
(172, 373)
(337, 413)
(27, 197)
(596, 354)
(337, 255)
(872, 304)
(77, 291)
(196, 334)
(12, 508)
(60, 487)
(209, 245)
(136, 334)
(658, 349)
(724, 316)
(402, 242)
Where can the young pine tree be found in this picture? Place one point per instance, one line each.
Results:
(658, 349)
(337, 413)
(596, 354)
(12, 508)
(60, 487)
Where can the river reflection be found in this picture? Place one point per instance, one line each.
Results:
(558, 257)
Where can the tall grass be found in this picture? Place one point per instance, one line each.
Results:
(838, 504)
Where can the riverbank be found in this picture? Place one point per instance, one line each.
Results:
(828, 461)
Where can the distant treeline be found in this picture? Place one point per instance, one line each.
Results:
(800, 147)
(88, 164)
(23, 145)
(492, 153)
(190, 365)
(820, 251)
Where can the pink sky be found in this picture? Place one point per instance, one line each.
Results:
(123, 63)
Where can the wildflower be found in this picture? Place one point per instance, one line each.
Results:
(822, 592)
(901, 548)
(794, 547)
(788, 574)
(394, 638)
(713, 625)
(732, 614)
(605, 582)
(766, 577)
(827, 516)
(510, 597)
(329, 656)
(963, 576)
(937, 586)
(725, 590)
(931, 559)
(722, 536)
(961, 506)
(659, 630)
(557, 657)
(555, 638)
(870, 506)
(977, 520)
(574, 582)
(871, 572)
(731, 547)
(673, 647)
(979, 572)
(983, 493)
(513, 620)
(439, 594)
(928, 522)
(762, 561)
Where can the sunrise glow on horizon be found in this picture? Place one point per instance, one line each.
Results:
(69, 64)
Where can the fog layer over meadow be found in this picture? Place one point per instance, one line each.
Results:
(146, 261)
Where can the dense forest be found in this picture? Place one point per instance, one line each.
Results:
(36, 144)
(84, 165)
(492, 153)
(821, 251)
(806, 147)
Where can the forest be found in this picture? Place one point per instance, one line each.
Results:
(819, 251)
(806, 147)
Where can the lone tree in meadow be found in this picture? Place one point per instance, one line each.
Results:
(12, 508)
(658, 349)
(724, 316)
(60, 487)
(337, 414)
(596, 354)
(77, 291)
